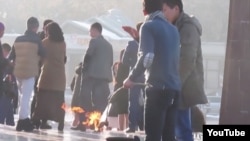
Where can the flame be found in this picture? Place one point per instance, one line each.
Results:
(77, 110)
(64, 107)
(74, 109)
(93, 119)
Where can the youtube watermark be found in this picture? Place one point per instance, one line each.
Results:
(239, 132)
(198, 136)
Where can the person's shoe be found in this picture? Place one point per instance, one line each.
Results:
(102, 124)
(79, 127)
(45, 126)
(36, 123)
(27, 125)
(74, 128)
(82, 128)
(136, 138)
(60, 126)
(24, 124)
(129, 130)
(19, 126)
(120, 139)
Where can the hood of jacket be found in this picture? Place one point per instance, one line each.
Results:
(184, 18)
(155, 14)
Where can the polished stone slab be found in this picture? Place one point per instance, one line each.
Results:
(8, 133)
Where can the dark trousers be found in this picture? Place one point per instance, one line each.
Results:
(135, 115)
(6, 111)
(94, 95)
(160, 114)
(32, 109)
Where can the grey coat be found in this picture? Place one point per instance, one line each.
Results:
(98, 59)
(191, 62)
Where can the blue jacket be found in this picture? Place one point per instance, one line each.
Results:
(130, 57)
(130, 54)
(160, 38)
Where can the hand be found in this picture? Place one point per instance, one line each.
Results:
(131, 31)
(127, 83)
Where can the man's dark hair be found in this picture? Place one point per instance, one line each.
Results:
(47, 22)
(32, 23)
(173, 3)
(97, 26)
(151, 6)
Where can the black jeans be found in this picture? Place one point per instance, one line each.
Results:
(160, 114)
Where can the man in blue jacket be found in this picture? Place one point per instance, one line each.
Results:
(159, 56)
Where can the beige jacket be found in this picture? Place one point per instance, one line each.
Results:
(26, 63)
(53, 75)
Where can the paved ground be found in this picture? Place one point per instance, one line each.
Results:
(8, 133)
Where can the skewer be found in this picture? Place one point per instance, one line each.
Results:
(142, 84)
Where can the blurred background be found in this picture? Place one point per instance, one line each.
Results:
(75, 17)
(213, 14)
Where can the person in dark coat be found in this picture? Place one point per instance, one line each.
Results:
(9, 92)
(75, 87)
(96, 73)
(42, 33)
(121, 100)
(43, 124)
(9, 70)
(135, 114)
(3, 60)
(191, 65)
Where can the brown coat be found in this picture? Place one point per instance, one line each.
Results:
(53, 75)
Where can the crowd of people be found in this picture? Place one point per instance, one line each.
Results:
(157, 81)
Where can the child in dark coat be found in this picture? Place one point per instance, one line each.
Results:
(75, 88)
(8, 99)
(121, 102)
